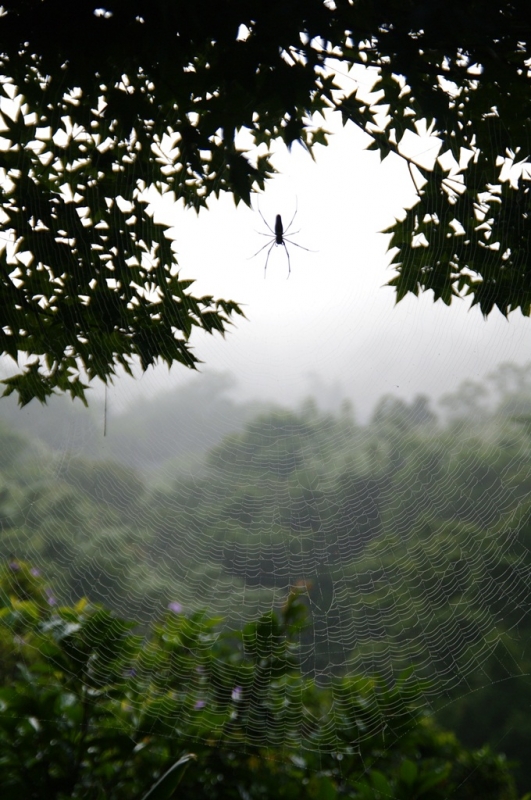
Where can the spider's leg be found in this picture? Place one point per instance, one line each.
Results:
(259, 251)
(301, 247)
(266, 224)
(267, 259)
(287, 253)
(293, 217)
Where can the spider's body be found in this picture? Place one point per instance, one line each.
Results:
(279, 230)
(278, 237)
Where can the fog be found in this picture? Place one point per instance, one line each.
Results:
(332, 329)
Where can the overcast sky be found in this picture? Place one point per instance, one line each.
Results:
(334, 318)
(333, 323)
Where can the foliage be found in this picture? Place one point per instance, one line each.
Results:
(410, 539)
(178, 425)
(101, 103)
(91, 709)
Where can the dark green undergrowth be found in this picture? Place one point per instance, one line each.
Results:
(90, 708)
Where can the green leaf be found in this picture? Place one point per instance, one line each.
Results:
(165, 787)
(381, 784)
(434, 778)
(322, 787)
(408, 772)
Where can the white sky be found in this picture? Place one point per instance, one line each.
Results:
(333, 317)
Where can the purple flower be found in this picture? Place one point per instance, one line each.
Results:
(237, 693)
(199, 704)
(130, 673)
(52, 601)
(175, 607)
(14, 566)
(35, 572)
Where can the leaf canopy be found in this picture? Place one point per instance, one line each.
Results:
(100, 101)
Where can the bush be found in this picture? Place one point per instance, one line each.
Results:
(90, 708)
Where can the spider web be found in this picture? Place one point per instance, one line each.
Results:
(406, 532)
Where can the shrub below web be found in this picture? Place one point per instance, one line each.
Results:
(92, 709)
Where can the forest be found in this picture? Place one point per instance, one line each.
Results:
(231, 600)
(399, 546)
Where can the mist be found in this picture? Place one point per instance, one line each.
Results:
(331, 329)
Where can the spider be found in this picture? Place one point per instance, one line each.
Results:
(278, 237)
